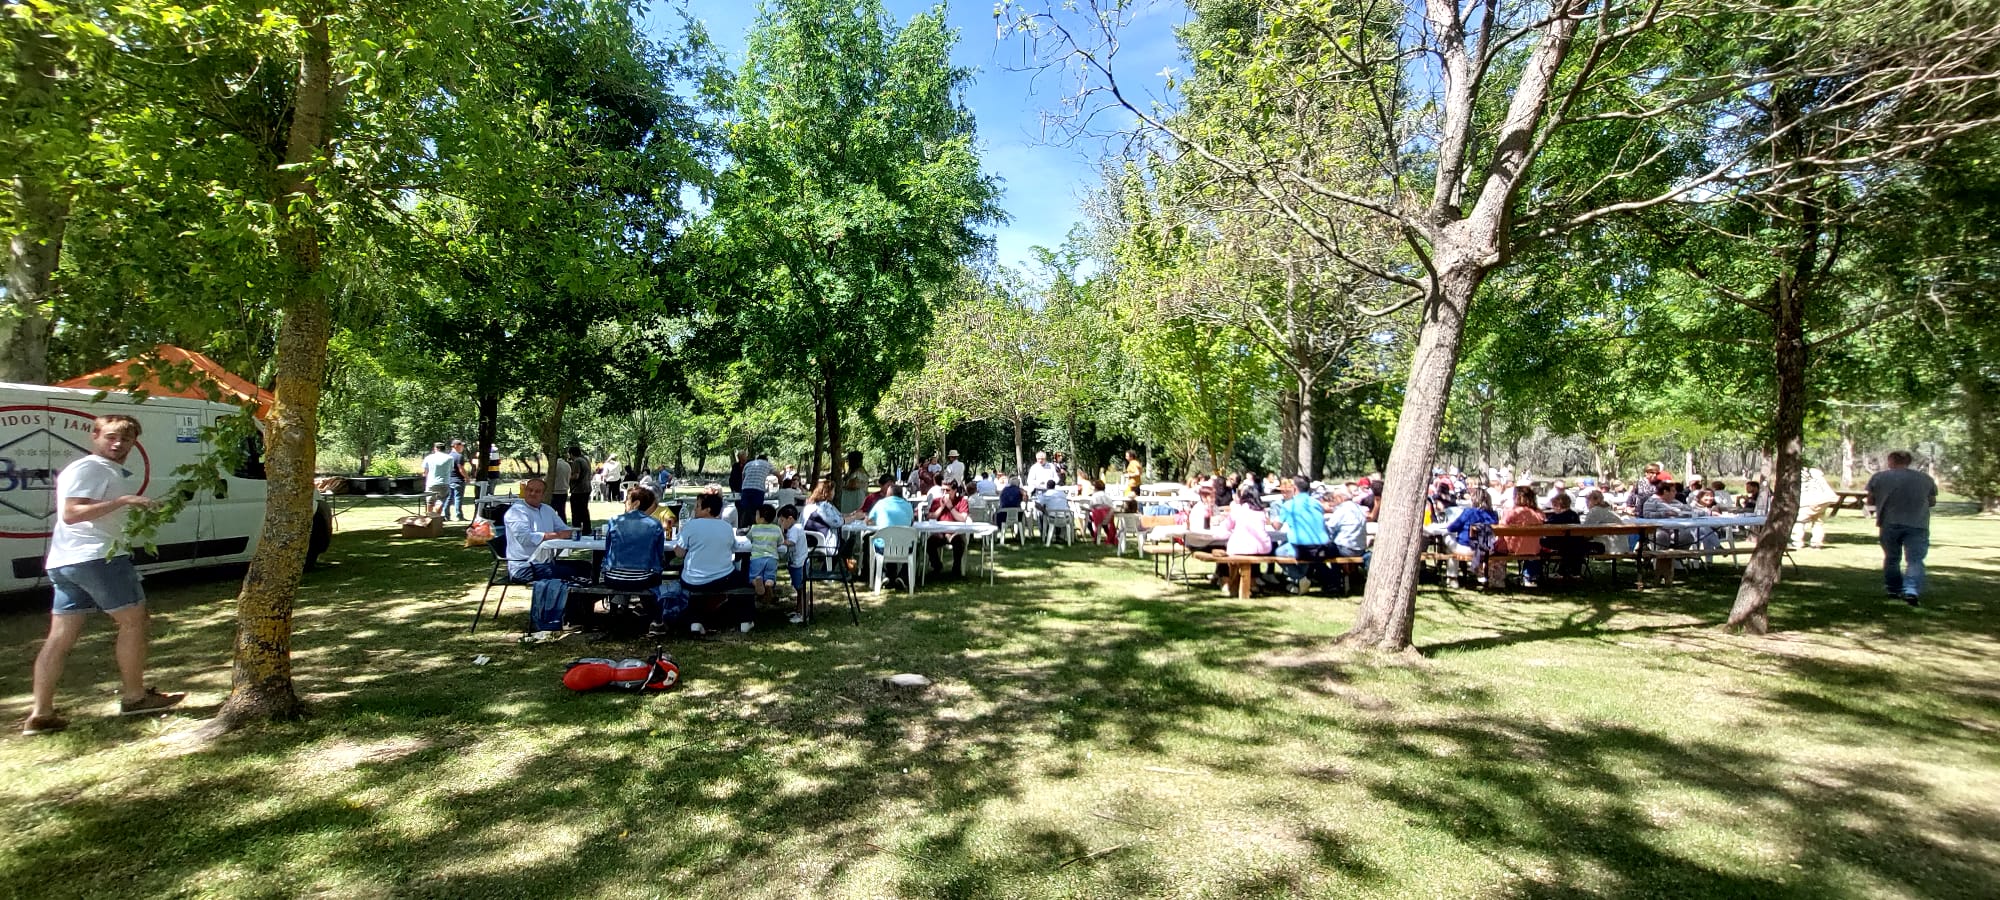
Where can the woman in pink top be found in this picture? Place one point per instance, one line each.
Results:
(1244, 526)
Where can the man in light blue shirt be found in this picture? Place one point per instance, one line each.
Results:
(1304, 523)
(891, 510)
(1347, 524)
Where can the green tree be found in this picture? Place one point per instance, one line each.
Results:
(850, 200)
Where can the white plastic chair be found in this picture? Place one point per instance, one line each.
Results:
(1012, 518)
(1054, 520)
(1131, 530)
(899, 545)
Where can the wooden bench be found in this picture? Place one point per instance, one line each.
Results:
(1240, 572)
(1585, 532)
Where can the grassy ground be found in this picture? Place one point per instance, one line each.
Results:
(1092, 732)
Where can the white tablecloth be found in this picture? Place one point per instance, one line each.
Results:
(1694, 522)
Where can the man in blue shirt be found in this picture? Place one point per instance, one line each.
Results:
(1304, 523)
(889, 511)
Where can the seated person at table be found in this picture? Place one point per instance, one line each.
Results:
(1011, 497)
(794, 550)
(1753, 497)
(765, 536)
(1100, 511)
(1053, 499)
(1303, 520)
(708, 545)
(1525, 512)
(634, 551)
(1478, 511)
(1725, 503)
(949, 508)
(1571, 549)
(634, 543)
(820, 513)
(1244, 530)
(986, 485)
(891, 511)
(1202, 515)
(888, 489)
(1664, 503)
(1347, 525)
(529, 522)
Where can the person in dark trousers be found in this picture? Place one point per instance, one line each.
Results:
(579, 489)
(1903, 498)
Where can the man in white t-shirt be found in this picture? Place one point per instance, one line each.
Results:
(92, 569)
(437, 479)
(954, 473)
(1041, 474)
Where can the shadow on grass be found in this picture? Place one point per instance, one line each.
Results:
(785, 762)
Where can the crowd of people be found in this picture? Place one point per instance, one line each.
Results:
(1246, 513)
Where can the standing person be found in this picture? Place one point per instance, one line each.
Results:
(559, 478)
(750, 494)
(853, 484)
(579, 488)
(614, 477)
(1816, 500)
(736, 471)
(91, 569)
(1903, 498)
(1041, 473)
(1134, 473)
(454, 497)
(954, 472)
(437, 479)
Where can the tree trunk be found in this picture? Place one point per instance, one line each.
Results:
(1387, 616)
(836, 458)
(484, 468)
(1020, 460)
(1308, 438)
(819, 430)
(1288, 427)
(1846, 457)
(261, 685)
(1485, 438)
(36, 249)
(550, 432)
(1767, 560)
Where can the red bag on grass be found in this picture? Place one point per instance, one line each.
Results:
(656, 673)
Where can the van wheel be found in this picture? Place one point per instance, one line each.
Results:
(322, 535)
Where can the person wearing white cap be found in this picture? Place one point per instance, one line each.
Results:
(954, 473)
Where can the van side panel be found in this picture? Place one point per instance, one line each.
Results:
(44, 428)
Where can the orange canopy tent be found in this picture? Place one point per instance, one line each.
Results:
(206, 372)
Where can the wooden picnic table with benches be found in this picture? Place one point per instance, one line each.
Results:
(1585, 532)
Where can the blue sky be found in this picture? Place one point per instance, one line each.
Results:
(1042, 180)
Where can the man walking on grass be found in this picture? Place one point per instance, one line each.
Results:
(91, 569)
(1903, 498)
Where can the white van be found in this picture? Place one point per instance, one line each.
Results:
(44, 428)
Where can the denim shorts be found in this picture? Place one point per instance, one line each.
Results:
(763, 568)
(106, 584)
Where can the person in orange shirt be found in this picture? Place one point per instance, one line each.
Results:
(1524, 512)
